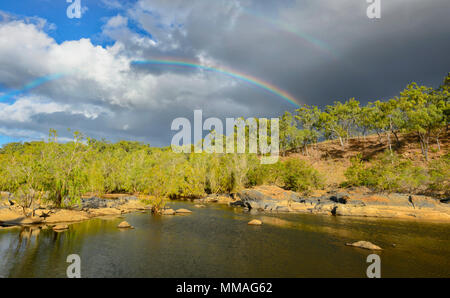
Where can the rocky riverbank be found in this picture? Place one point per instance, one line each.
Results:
(11, 214)
(345, 203)
(349, 202)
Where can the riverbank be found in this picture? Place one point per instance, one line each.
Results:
(354, 202)
(11, 214)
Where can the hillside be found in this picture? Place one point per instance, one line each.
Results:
(331, 160)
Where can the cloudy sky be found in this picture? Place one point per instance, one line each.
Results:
(57, 72)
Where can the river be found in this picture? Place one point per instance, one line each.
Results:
(217, 242)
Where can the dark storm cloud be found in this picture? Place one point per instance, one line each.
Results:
(318, 51)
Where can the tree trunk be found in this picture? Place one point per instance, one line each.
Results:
(342, 143)
(389, 142)
(396, 138)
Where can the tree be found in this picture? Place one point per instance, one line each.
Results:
(424, 111)
(308, 118)
(340, 119)
(288, 132)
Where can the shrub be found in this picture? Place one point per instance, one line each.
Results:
(388, 173)
(299, 176)
(439, 173)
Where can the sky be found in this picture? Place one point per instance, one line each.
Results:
(229, 58)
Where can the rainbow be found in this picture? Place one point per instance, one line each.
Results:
(319, 44)
(234, 74)
(31, 85)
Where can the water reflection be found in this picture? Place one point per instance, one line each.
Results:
(217, 242)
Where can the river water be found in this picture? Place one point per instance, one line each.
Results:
(217, 242)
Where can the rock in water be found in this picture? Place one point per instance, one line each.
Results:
(183, 211)
(60, 228)
(200, 206)
(125, 225)
(365, 244)
(168, 212)
(255, 222)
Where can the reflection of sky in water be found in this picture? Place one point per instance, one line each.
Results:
(217, 242)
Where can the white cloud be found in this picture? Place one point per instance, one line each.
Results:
(99, 83)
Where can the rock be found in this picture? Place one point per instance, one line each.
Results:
(365, 244)
(168, 212)
(255, 222)
(218, 198)
(237, 203)
(64, 215)
(125, 225)
(183, 211)
(340, 199)
(104, 211)
(60, 228)
(282, 209)
(445, 201)
(199, 206)
(31, 221)
(15, 216)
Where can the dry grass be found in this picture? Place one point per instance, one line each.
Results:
(331, 160)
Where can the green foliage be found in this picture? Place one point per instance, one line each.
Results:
(388, 173)
(297, 175)
(293, 174)
(439, 173)
(62, 173)
(418, 109)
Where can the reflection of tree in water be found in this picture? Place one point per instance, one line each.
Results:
(40, 251)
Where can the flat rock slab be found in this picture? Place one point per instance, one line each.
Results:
(365, 245)
(183, 211)
(125, 225)
(63, 215)
(104, 211)
(168, 212)
(60, 228)
(255, 222)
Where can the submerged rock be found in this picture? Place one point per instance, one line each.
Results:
(255, 222)
(168, 212)
(364, 244)
(183, 211)
(125, 225)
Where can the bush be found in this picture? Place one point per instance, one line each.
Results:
(265, 174)
(439, 173)
(299, 176)
(388, 173)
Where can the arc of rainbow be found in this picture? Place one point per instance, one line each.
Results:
(234, 74)
(289, 29)
(31, 85)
